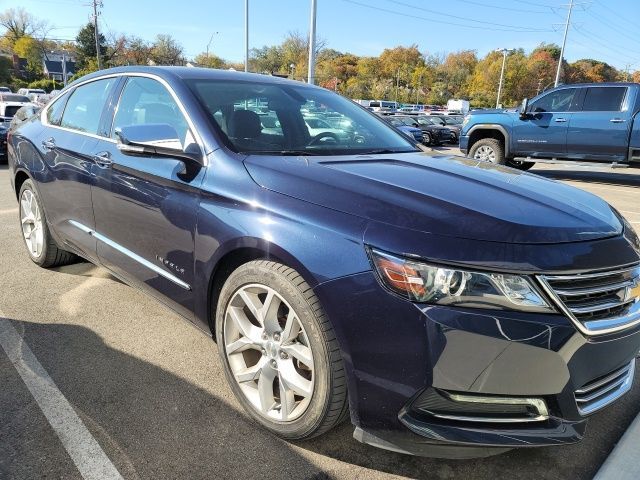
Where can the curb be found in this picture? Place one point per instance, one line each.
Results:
(622, 463)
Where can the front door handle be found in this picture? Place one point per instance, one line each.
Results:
(617, 120)
(49, 144)
(560, 120)
(103, 159)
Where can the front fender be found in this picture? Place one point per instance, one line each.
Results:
(321, 244)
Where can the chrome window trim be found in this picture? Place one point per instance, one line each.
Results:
(594, 327)
(134, 256)
(194, 131)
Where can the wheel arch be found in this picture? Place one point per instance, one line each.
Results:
(478, 132)
(19, 178)
(230, 257)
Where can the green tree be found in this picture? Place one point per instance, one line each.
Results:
(86, 45)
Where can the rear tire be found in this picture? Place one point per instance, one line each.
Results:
(488, 150)
(426, 139)
(258, 346)
(42, 248)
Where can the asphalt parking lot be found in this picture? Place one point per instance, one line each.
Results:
(151, 391)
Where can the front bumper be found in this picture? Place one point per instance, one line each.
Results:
(396, 351)
(464, 144)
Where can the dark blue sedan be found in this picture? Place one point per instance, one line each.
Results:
(447, 306)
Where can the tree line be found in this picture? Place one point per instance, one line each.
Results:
(402, 73)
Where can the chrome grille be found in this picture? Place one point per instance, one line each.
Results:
(602, 391)
(598, 302)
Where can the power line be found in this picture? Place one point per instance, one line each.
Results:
(457, 17)
(616, 14)
(496, 7)
(613, 27)
(440, 22)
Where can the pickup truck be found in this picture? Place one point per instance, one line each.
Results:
(582, 123)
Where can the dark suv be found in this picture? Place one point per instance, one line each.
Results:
(448, 307)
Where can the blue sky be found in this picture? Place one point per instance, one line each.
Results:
(602, 29)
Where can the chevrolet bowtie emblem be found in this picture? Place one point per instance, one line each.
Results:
(634, 292)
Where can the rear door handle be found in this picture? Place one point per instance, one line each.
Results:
(103, 159)
(49, 144)
(560, 120)
(617, 120)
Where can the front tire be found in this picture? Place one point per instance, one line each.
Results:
(42, 248)
(488, 150)
(279, 351)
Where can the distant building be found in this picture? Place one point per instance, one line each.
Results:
(18, 65)
(54, 65)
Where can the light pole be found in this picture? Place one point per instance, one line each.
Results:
(246, 35)
(292, 67)
(504, 61)
(312, 43)
(209, 44)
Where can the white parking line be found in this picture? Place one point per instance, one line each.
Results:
(83, 449)
(622, 463)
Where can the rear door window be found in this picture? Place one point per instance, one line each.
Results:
(85, 105)
(604, 99)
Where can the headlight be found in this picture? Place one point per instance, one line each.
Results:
(420, 282)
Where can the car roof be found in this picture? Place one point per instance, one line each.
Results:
(170, 73)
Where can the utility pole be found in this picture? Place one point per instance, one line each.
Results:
(312, 43)
(504, 62)
(96, 4)
(64, 68)
(564, 42)
(246, 35)
(539, 86)
(418, 90)
(397, 84)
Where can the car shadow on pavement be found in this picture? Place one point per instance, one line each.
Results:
(594, 176)
(154, 424)
(150, 422)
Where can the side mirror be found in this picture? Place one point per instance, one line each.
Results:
(158, 139)
(523, 109)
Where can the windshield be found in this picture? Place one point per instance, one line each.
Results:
(432, 121)
(269, 118)
(13, 97)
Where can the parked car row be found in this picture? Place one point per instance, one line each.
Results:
(434, 130)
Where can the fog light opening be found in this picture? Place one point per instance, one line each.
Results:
(478, 408)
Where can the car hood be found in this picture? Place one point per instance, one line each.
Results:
(450, 196)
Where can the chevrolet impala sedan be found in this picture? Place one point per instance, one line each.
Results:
(449, 307)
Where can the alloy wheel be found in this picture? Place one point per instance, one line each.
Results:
(268, 352)
(485, 153)
(31, 221)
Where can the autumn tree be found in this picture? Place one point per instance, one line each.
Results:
(209, 60)
(166, 50)
(19, 23)
(30, 49)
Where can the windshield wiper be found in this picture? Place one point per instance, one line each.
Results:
(385, 150)
(283, 152)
